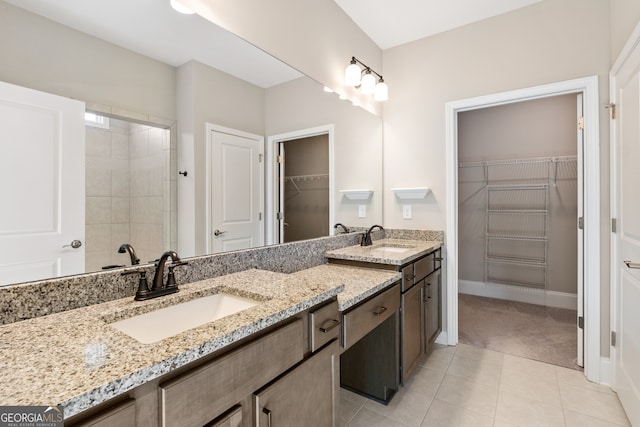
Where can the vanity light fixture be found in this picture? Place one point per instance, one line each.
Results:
(364, 79)
(179, 7)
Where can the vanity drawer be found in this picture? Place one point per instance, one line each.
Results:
(323, 325)
(204, 393)
(423, 267)
(360, 320)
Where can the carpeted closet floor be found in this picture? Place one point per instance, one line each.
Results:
(532, 331)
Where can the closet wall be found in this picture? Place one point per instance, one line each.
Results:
(306, 195)
(544, 128)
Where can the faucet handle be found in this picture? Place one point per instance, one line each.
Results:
(143, 285)
(171, 278)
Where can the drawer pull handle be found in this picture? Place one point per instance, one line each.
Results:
(630, 264)
(438, 258)
(332, 324)
(410, 276)
(379, 310)
(268, 412)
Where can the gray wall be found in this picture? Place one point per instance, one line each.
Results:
(44, 55)
(537, 128)
(306, 201)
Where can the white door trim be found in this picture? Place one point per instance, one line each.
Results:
(272, 175)
(258, 138)
(588, 86)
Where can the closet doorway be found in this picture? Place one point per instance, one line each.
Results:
(589, 164)
(518, 200)
(300, 193)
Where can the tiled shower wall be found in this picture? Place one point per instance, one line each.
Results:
(127, 192)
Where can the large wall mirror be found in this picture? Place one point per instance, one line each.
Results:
(166, 83)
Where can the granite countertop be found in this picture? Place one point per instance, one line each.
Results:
(76, 359)
(397, 252)
(359, 283)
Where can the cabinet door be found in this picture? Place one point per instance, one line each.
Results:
(433, 321)
(122, 415)
(232, 419)
(306, 395)
(411, 330)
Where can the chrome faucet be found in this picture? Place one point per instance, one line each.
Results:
(126, 247)
(158, 287)
(366, 237)
(345, 229)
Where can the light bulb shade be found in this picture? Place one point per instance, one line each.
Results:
(179, 7)
(381, 91)
(368, 84)
(352, 75)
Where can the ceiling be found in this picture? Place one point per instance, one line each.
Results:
(152, 28)
(392, 23)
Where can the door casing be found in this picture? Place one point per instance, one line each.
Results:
(588, 87)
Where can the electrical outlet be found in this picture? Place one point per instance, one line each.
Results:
(406, 211)
(362, 211)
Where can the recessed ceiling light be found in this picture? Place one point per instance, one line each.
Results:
(181, 8)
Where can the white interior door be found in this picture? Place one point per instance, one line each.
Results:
(626, 94)
(42, 174)
(236, 190)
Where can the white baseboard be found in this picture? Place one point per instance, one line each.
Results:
(519, 293)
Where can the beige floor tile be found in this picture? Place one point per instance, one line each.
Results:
(577, 378)
(443, 414)
(484, 371)
(368, 418)
(348, 410)
(468, 394)
(439, 359)
(519, 366)
(352, 397)
(407, 407)
(499, 423)
(478, 353)
(576, 419)
(425, 381)
(524, 412)
(594, 403)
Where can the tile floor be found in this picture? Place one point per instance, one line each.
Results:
(472, 386)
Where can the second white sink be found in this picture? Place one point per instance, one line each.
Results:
(166, 322)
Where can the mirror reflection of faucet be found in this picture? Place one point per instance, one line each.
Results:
(345, 230)
(126, 247)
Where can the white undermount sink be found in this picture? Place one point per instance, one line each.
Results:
(390, 249)
(169, 321)
(386, 249)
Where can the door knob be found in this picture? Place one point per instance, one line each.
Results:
(218, 233)
(75, 244)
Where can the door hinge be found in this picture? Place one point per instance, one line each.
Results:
(259, 216)
(613, 339)
(280, 159)
(279, 216)
(260, 156)
(614, 225)
(581, 122)
(581, 223)
(612, 109)
(581, 322)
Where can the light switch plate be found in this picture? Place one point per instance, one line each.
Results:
(406, 211)
(362, 211)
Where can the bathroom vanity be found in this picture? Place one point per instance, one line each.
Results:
(420, 303)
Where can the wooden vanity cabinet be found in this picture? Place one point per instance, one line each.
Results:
(121, 415)
(291, 371)
(306, 394)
